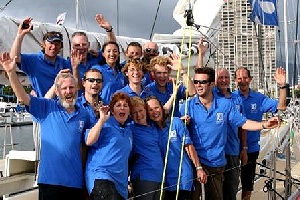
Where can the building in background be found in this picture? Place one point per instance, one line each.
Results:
(240, 43)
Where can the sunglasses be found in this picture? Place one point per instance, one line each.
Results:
(92, 80)
(149, 50)
(201, 82)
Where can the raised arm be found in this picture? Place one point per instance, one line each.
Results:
(16, 46)
(187, 82)
(9, 65)
(76, 59)
(103, 23)
(94, 133)
(202, 48)
(280, 78)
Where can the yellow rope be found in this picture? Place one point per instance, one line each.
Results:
(186, 97)
(171, 121)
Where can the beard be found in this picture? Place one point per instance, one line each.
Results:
(65, 104)
(68, 105)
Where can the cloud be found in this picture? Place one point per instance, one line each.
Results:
(136, 17)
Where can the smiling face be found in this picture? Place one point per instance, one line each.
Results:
(223, 79)
(202, 85)
(161, 75)
(134, 52)
(134, 74)
(155, 110)
(52, 48)
(92, 83)
(66, 90)
(139, 114)
(242, 79)
(81, 44)
(121, 110)
(111, 54)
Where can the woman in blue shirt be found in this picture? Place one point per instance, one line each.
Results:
(178, 135)
(147, 167)
(110, 143)
(113, 78)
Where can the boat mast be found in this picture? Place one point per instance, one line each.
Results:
(286, 48)
(77, 13)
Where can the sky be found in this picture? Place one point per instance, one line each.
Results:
(136, 17)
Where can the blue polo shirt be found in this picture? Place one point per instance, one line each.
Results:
(111, 82)
(61, 137)
(91, 61)
(108, 157)
(144, 94)
(255, 105)
(232, 146)
(148, 161)
(82, 101)
(164, 97)
(208, 128)
(41, 72)
(178, 131)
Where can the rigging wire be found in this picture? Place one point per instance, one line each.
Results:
(118, 33)
(155, 18)
(296, 51)
(3, 7)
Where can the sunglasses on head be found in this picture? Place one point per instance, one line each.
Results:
(149, 50)
(201, 81)
(92, 80)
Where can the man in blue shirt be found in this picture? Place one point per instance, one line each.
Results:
(90, 99)
(81, 59)
(41, 68)
(62, 127)
(210, 118)
(255, 105)
(235, 134)
(162, 87)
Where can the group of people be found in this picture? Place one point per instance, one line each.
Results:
(102, 120)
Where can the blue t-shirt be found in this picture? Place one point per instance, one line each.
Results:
(111, 82)
(177, 134)
(61, 137)
(41, 72)
(127, 90)
(232, 146)
(108, 157)
(148, 160)
(164, 97)
(255, 105)
(208, 128)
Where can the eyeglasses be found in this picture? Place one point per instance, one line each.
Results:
(134, 70)
(92, 80)
(201, 81)
(149, 50)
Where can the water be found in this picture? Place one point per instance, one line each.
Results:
(22, 138)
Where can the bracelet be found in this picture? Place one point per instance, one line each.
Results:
(109, 30)
(245, 148)
(197, 168)
(283, 87)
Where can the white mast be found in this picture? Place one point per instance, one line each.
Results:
(286, 48)
(77, 13)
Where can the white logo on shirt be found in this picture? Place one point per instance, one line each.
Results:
(253, 107)
(81, 125)
(219, 117)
